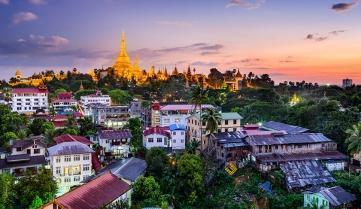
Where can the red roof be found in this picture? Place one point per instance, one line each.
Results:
(157, 130)
(71, 138)
(65, 95)
(59, 124)
(29, 90)
(94, 194)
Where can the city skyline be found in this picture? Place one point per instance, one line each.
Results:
(308, 40)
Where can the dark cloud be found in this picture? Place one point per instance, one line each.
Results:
(341, 7)
(319, 38)
(201, 48)
(204, 64)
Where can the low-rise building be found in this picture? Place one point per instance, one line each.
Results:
(97, 98)
(64, 103)
(108, 116)
(115, 144)
(71, 163)
(165, 115)
(19, 165)
(100, 192)
(178, 136)
(328, 198)
(33, 146)
(156, 137)
(230, 122)
(29, 100)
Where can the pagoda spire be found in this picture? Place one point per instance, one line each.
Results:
(123, 48)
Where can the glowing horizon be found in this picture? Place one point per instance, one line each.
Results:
(308, 40)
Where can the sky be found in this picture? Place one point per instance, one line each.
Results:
(311, 40)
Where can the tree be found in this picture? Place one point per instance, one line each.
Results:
(211, 118)
(199, 96)
(36, 203)
(119, 96)
(135, 127)
(8, 136)
(354, 140)
(192, 146)
(86, 126)
(36, 126)
(146, 192)
(7, 192)
(120, 204)
(41, 184)
(157, 161)
(190, 178)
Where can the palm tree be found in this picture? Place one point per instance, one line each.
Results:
(211, 118)
(199, 96)
(354, 140)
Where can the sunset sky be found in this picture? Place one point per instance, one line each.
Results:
(312, 40)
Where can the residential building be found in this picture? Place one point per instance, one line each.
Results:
(283, 127)
(29, 100)
(99, 192)
(108, 116)
(178, 136)
(328, 198)
(18, 165)
(97, 98)
(33, 146)
(60, 120)
(165, 115)
(300, 175)
(156, 137)
(71, 163)
(115, 144)
(273, 149)
(230, 122)
(64, 103)
(229, 147)
(346, 83)
(135, 108)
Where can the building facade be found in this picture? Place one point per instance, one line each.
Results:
(178, 136)
(29, 100)
(71, 163)
(109, 116)
(97, 98)
(115, 143)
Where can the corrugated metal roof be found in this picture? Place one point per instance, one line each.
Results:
(274, 139)
(177, 126)
(337, 196)
(69, 148)
(300, 174)
(230, 116)
(279, 158)
(114, 134)
(277, 126)
(231, 139)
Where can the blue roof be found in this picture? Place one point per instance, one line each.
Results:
(175, 127)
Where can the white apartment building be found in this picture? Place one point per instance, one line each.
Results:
(231, 121)
(29, 100)
(166, 115)
(97, 98)
(71, 163)
(156, 137)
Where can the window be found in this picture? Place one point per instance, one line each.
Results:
(36, 151)
(150, 140)
(234, 129)
(226, 130)
(67, 179)
(182, 133)
(76, 178)
(58, 159)
(226, 122)
(174, 141)
(67, 158)
(159, 139)
(28, 151)
(174, 133)
(299, 146)
(57, 170)
(182, 140)
(76, 157)
(86, 167)
(234, 121)
(276, 146)
(165, 141)
(18, 149)
(86, 157)
(85, 177)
